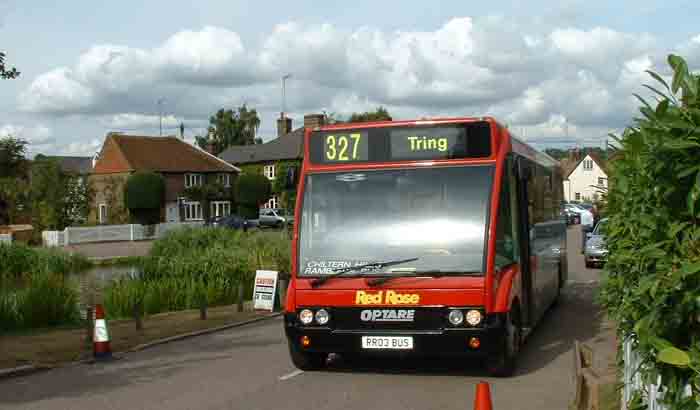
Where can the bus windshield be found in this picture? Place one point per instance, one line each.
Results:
(437, 215)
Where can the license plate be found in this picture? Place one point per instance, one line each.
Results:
(387, 342)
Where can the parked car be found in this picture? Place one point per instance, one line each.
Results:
(596, 252)
(274, 217)
(232, 222)
(574, 213)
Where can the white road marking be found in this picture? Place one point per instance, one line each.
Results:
(290, 375)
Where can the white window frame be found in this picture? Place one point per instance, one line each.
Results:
(272, 203)
(588, 165)
(269, 172)
(102, 217)
(601, 181)
(577, 196)
(224, 179)
(220, 208)
(192, 211)
(193, 180)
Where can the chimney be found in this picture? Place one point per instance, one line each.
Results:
(314, 120)
(284, 125)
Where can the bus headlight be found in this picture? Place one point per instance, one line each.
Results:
(456, 317)
(306, 316)
(322, 317)
(473, 317)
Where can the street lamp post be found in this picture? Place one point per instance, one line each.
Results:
(160, 114)
(284, 96)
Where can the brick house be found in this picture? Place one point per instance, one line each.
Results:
(181, 164)
(273, 158)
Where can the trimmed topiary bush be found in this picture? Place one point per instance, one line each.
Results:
(251, 191)
(143, 196)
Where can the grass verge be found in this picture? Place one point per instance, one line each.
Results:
(55, 346)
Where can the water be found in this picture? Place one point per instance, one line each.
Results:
(104, 274)
(92, 281)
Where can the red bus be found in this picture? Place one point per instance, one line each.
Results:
(431, 237)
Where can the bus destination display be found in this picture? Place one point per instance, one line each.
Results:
(427, 143)
(449, 141)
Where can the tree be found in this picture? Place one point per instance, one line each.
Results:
(381, 114)
(143, 196)
(12, 157)
(13, 175)
(229, 127)
(5, 72)
(251, 191)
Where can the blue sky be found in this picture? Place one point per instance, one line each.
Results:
(548, 69)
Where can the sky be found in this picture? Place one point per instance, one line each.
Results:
(559, 74)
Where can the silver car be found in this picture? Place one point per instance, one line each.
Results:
(596, 252)
(274, 217)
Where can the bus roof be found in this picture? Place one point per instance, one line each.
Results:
(518, 146)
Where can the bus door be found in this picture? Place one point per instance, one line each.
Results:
(528, 269)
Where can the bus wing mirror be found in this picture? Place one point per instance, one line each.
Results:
(291, 178)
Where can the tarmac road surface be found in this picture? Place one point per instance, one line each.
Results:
(249, 368)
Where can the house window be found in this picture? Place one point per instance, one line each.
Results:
(193, 180)
(102, 213)
(193, 211)
(272, 203)
(220, 208)
(588, 165)
(601, 181)
(269, 171)
(578, 196)
(224, 179)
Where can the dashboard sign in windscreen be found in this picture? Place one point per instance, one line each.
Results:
(437, 215)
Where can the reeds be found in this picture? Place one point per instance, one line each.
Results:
(191, 266)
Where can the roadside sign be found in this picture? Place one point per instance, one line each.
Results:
(264, 290)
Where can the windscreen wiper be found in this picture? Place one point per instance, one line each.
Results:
(435, 273)
(370, 266)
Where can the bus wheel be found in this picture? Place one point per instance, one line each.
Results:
(503, 363)
(306, 360)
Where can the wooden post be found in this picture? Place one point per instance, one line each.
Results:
(138, 315)
(240, 297)
(203, 308)
(89, 330)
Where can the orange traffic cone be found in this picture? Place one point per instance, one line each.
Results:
(100, 339)
(482, 401)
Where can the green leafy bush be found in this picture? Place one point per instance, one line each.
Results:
(251, 191)
(652, 285)
(143, 196)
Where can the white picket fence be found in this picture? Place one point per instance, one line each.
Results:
(651, 392)
(111, 233)
(5, 237)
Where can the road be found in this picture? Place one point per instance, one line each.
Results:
(248, 368)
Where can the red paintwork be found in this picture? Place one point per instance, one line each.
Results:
(452, 291)
(510, 287)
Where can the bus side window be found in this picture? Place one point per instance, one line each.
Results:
(507, 245)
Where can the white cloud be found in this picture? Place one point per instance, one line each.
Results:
(527, 76)
(35, 135)
(140, 121)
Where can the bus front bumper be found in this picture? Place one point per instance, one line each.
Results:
(439, 342)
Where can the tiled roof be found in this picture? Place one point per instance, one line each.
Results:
(288, 146)
(74, 165)
(123, 153)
